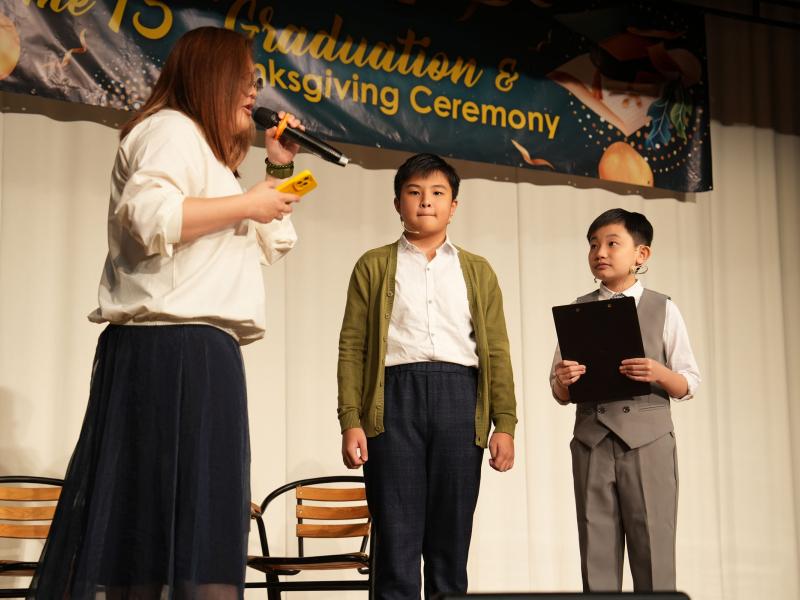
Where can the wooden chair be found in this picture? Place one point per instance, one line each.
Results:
(33, 502)
(318, 501)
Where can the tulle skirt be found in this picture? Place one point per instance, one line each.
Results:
(156, 496)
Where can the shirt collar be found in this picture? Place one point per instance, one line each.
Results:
(406, 246)
(635, 291)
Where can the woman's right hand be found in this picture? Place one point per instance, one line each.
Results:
(568, 372)
(265, 203)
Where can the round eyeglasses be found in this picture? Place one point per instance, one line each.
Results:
(256, 82)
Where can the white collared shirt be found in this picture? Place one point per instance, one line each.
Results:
(677, 348)
(430, 319)
(151, 278)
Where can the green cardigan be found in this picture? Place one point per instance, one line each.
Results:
(365, 327)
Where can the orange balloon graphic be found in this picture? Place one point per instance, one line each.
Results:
(9, 46)
(620, 162)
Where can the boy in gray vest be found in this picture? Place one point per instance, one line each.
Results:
(624, 464)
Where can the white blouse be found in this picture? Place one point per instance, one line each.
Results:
(150, 278)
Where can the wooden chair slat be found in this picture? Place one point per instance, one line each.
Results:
(27, 513)
(305, 511)
(332, 531)
(330, 494)
(24, 531)
(34, 494)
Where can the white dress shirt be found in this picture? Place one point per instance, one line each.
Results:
(430, 319)
(150, 278)
(677, 348)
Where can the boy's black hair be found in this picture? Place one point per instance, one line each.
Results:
(635, 223)
(423, 165)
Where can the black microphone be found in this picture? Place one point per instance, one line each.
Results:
(269, 118)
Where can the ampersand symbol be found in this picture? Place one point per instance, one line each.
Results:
(506, 77)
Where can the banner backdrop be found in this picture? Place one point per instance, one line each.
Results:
(615, 90)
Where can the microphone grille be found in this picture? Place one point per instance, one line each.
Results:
(265, 117)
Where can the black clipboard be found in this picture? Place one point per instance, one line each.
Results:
(601, 335)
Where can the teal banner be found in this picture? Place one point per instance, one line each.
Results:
(613, 90)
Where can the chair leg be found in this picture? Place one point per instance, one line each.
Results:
(272, 593)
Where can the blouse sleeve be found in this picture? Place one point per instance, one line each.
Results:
(165, 164)
(275, 239)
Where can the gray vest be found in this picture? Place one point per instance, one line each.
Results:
(641, 419)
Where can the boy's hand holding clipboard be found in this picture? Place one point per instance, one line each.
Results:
(598, 336)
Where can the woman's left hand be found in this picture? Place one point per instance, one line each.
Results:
(282, 151)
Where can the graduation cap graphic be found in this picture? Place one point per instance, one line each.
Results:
(628, 67)
(635, 79)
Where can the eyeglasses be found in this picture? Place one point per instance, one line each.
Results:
(256, 82)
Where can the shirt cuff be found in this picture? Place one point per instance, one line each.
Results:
(174, 226)
(691, 385)
(555, 397)
(275, 239)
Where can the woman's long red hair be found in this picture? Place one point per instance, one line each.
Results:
(204, 77)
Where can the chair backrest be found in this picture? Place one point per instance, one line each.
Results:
(323, 504)
(27, 505)
(327, 506)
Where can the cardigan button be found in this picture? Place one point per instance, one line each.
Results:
(390, 293)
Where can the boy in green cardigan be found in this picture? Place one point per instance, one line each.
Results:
(424, 371)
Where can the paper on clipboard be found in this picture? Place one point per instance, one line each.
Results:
(601, 335)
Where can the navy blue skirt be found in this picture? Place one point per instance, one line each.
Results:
(157, 493)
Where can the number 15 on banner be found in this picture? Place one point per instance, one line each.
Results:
(152, 33)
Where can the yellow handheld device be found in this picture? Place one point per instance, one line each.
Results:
(299, 184)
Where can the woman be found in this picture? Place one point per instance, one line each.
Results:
(156, 498)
